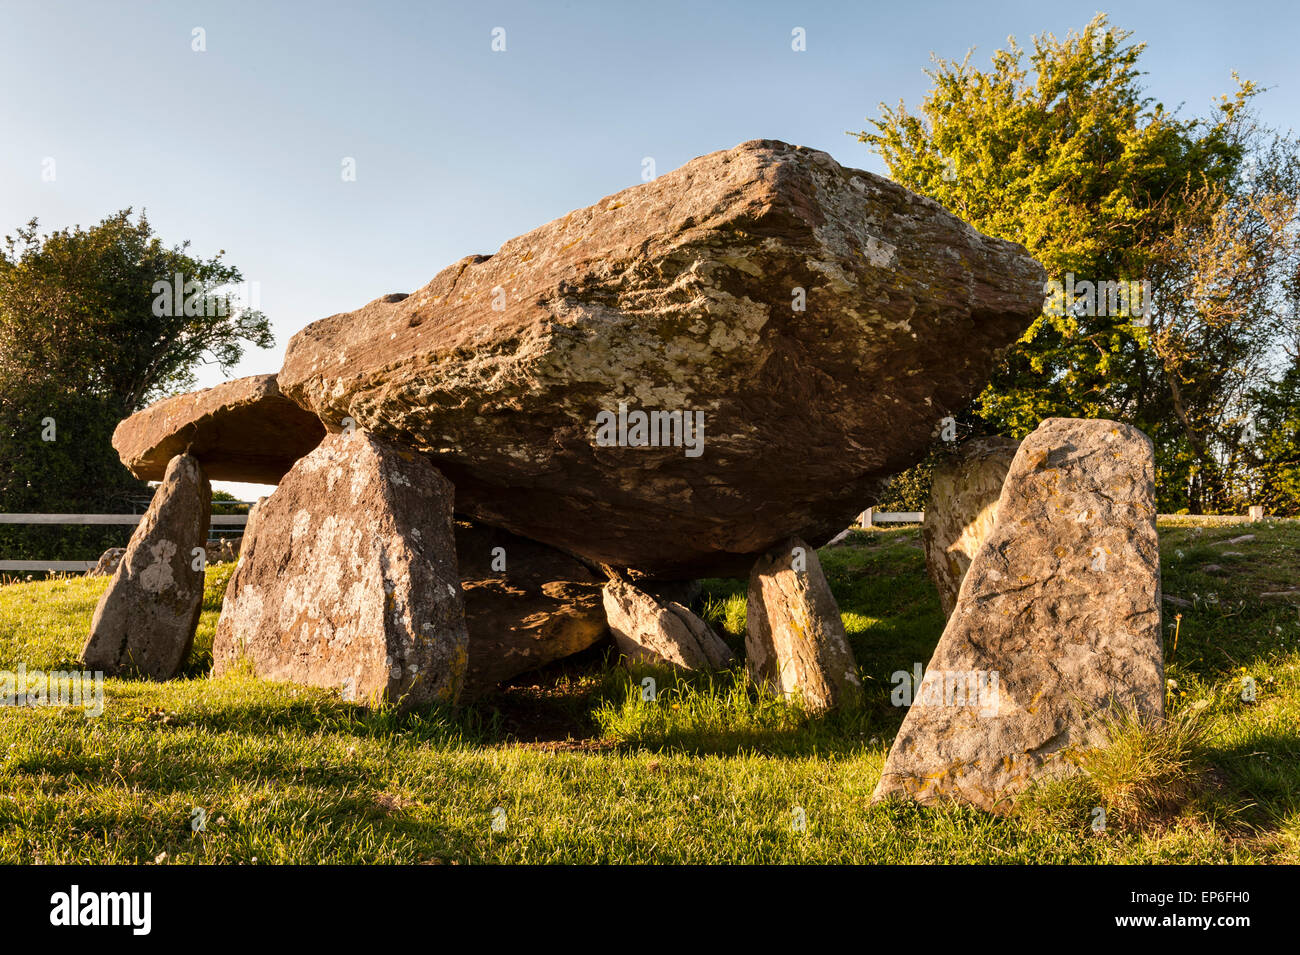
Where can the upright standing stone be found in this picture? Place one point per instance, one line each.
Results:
(347, 578)
(795, 640)
(653, 632)
(963, 508)
(1057, 623)
(145, 621)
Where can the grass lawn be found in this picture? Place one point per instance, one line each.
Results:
(571, 765)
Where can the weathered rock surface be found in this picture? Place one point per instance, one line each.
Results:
(685, 295)
(1062, 605)
(241, 430)
(347, 578)
(107, 563)
(144, 623)
(794, 639)
(648, 631)
(962, 509)
(526, 605)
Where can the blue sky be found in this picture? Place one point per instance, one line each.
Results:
(457, 147)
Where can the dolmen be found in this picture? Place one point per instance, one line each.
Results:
(708, 374)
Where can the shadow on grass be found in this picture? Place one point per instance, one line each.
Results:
(1262, 773)
(724, 714)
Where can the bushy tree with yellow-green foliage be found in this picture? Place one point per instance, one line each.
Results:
(1058, 148)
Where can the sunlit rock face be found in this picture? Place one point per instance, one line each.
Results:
(1056, 628)
(145, 620)
(347, 579)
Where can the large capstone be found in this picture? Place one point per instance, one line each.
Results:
(347, 578)
(1056, 629)
(241, 430)
(145, 621)
(684, 374)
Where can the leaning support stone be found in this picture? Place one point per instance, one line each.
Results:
(962, 509)
(1057, 623)
(347, 578)
(652, 632)
(145, 621)
(795, 640)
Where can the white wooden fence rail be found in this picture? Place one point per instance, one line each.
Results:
(81, 566)
(872, 516)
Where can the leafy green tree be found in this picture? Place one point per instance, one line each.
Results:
(1059, 149)
(94, 324)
